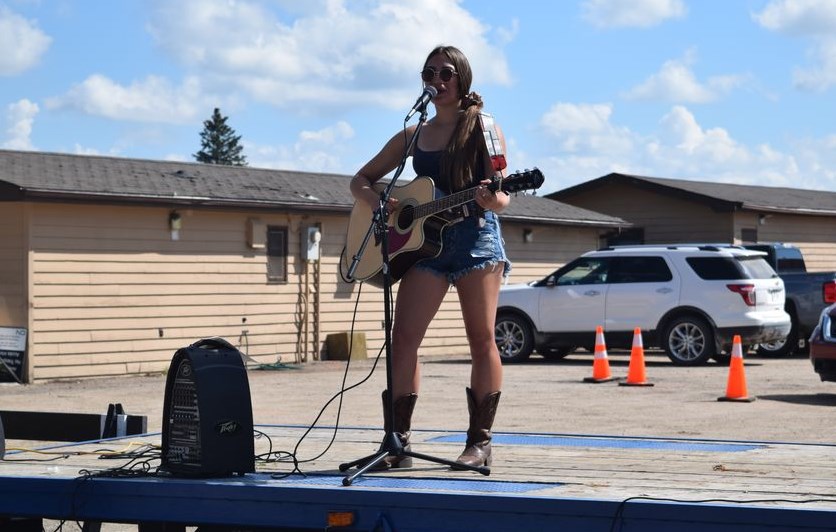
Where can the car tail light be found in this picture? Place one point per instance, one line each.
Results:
(828, 290)
(746, 291)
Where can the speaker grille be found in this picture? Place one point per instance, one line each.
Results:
(184, 418)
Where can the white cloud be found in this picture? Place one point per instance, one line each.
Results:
(818, 155)
(585, 127)
(688, 139)
(341, 53)
(799, 17)
(680, 147)
(20, 117)
(314, 151)
(21, 41)
(635, 13)
(676, 82)
(78, 149)
(822, 76)
(812, 19)
(153, 99)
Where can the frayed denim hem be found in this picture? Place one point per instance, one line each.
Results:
(455, 276)
(506, 269)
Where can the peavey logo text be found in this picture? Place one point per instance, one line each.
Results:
(227, 428)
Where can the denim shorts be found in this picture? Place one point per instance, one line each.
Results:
(466, 247)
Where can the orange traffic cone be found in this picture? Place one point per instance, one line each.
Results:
(600, 363)
(635, 373)
(736, 387)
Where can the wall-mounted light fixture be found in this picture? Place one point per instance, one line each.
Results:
(762, 218)
(528, 236)
(175, 222)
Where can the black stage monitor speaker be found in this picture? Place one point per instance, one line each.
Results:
(207, 415)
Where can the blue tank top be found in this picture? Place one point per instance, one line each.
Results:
(428, 163)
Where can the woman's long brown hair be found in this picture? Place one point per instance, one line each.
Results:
(463, 159)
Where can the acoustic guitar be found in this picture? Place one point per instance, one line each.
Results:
(415, 226)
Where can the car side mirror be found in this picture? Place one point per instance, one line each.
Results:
(550, 280)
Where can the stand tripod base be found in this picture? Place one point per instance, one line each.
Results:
(392, 447)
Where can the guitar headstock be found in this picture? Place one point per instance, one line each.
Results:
(519, 181)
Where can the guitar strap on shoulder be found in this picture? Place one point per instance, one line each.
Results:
(492, 142)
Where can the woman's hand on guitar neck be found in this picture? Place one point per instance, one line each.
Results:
(491, 201)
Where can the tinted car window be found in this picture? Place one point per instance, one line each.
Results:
(731, 268)
(586, 270)
(791, 265)
(640, 270)
(757, 268)
(716, 268)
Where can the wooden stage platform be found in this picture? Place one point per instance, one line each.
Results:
(537, 482)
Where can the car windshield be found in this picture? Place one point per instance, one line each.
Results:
(586, 270)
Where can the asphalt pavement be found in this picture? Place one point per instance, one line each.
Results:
(792, 404)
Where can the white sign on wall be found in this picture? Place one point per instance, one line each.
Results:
(12, 351)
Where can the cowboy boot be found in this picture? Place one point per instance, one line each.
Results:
(404, 405)
(477, 450)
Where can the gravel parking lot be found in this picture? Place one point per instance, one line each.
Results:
(538, 396)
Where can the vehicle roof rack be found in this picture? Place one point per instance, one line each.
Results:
(677, 245)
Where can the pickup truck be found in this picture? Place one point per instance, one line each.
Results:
(807, 293)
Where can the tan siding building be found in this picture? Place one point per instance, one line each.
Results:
(669, 210)
(113, 264)
(13, 263)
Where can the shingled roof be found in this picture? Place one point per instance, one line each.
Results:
(720, 196)
(38, 176)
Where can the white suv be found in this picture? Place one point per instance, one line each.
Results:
(689, 300)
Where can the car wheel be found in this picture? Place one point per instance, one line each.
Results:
(555, 353)
(689, 341)
(780, 348)
(514, 338)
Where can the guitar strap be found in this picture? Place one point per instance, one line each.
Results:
(492, 142)
(494, 147)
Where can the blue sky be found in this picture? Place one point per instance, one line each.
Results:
(735, 91)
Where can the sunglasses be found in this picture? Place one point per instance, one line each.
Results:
(446, 74)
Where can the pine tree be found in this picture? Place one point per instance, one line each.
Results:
(219, 143)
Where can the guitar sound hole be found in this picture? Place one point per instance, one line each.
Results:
(406, 217)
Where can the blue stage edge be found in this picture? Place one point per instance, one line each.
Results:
(522, 495)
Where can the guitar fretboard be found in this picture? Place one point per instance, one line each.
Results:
(447, 202)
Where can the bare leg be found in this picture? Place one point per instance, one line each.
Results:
(419, 295)
(478, 296)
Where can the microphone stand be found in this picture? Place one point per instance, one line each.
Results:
(391, 445)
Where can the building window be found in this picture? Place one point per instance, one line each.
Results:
(624, 237)
(276, 254)
(749, 236)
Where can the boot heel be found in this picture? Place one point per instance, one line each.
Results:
(477, 451)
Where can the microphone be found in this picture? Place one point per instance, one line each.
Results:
(429, 93)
